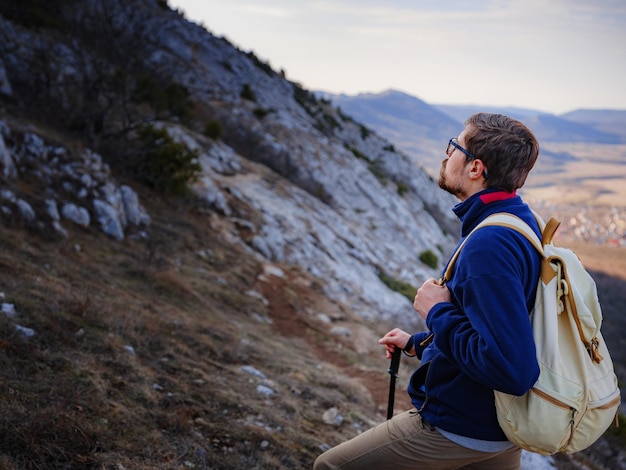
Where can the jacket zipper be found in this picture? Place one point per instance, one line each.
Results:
(425, 382)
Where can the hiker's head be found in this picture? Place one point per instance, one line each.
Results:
(506, 147)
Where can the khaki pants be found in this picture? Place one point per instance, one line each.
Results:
(407, 442)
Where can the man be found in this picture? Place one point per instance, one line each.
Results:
(479, 337)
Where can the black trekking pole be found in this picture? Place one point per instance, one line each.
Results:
(393, 371)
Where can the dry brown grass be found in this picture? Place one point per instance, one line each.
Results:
(136, 361)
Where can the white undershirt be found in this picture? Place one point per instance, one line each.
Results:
(477, 444)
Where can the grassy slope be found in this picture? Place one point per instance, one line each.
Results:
(75, 395)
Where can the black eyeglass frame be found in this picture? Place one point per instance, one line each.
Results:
(468, 155)
(454, 142)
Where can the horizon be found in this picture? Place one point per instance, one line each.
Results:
(568, 59)
(469, 105)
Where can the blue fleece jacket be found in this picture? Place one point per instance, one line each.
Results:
(482, 338)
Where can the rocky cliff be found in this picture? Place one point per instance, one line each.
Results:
(340, 201)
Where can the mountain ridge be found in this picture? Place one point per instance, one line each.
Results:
(581, 125)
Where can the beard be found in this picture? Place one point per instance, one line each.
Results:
(455, 190)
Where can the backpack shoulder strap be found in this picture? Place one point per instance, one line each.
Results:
(504, 219)
(511, 221)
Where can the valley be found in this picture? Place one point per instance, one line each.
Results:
(593, 174)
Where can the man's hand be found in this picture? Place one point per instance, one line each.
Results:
(396, 338)
(428, 295)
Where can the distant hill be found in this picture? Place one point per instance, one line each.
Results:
(606, 120)
(580, 155)
(461, 112)
(400, 111)
(408, 120)
(599, 127)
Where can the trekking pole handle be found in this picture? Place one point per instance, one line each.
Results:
(393, 371)
(395, 362)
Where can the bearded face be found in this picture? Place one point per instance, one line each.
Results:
(450, 177)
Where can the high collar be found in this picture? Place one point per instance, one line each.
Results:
(471, 211)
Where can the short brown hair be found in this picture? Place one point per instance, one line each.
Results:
(506, 146)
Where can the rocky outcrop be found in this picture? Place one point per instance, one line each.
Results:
(63, 187)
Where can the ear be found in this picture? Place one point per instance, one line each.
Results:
(477, 169)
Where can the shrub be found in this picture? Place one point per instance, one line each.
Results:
(344, 116)
(213, 129)
(402, 188)
(396, 285)
(247, 93)
(172, 98)
(176, 101)
(374, 166)
(429, 258)
(35, 14)
(162, 163)
(365, 132)
(325, 122)
(261, 112)
(265, 66)
(303, 97)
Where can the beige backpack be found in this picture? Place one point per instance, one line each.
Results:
(576, 397)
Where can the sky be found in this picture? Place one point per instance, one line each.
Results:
(549, 55)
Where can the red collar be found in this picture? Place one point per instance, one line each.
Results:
(496, 196)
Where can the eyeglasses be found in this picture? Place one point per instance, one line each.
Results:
(453, 144)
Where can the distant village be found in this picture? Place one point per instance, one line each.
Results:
(602, 225)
